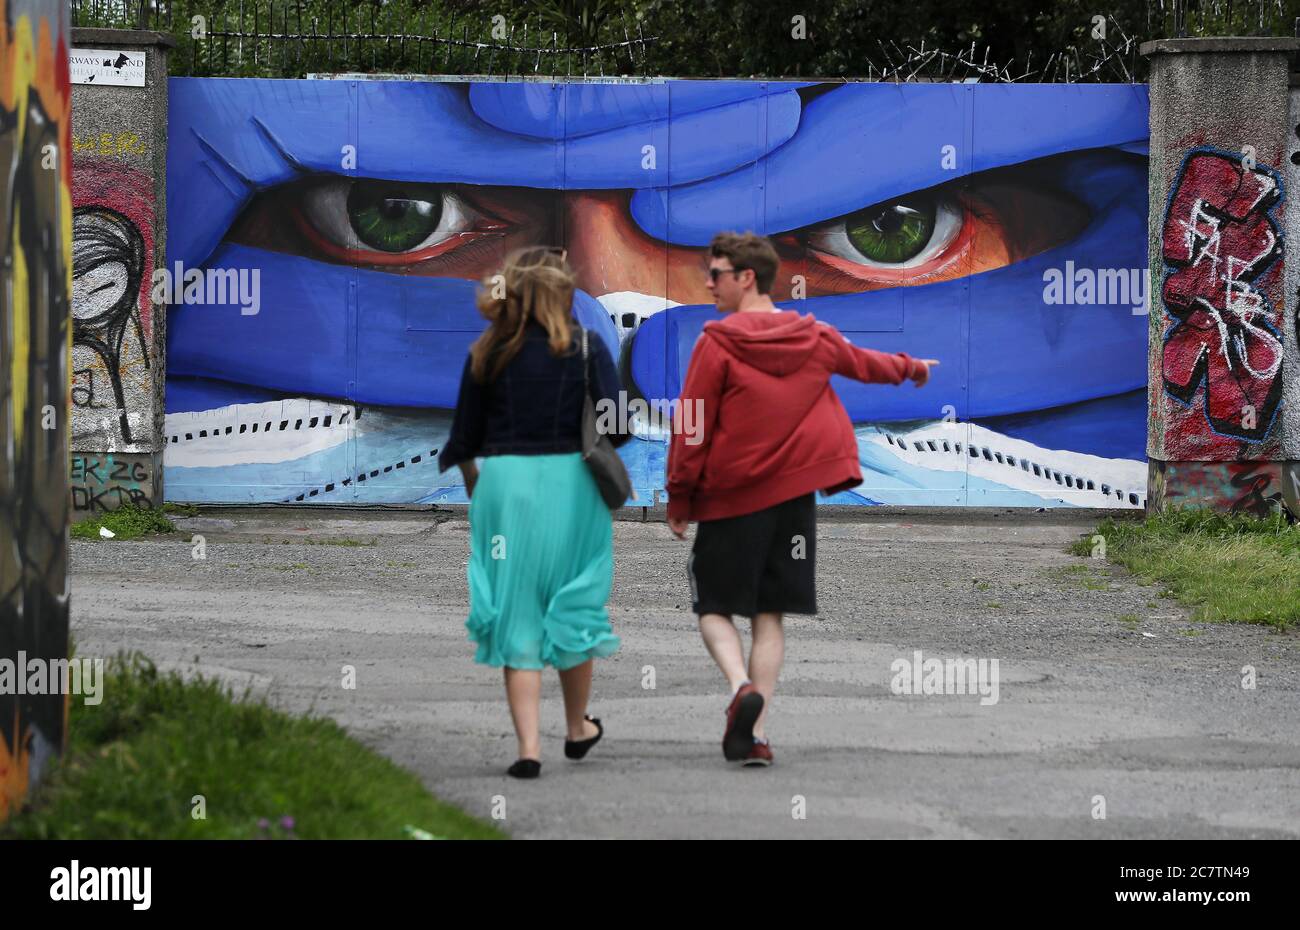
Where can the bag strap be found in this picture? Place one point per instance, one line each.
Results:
(586, 385)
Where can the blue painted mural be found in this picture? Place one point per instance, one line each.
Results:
(327, 237)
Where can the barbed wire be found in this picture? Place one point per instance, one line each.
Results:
(341, 41)
(262, 33)
(1107, 61)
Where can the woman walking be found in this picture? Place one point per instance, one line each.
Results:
(541, 537)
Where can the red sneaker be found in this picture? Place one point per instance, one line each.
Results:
(761, 754)
(743, 713)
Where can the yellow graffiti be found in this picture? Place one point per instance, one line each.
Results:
(109, 144)
(13, 771)
(32, 71)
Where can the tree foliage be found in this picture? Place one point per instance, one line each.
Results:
(690, 38)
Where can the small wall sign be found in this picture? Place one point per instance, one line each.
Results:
(106, 66)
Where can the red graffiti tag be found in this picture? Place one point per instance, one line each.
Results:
(1218, 240)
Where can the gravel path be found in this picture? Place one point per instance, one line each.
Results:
(1105, 689)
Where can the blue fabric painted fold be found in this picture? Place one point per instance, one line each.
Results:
(861, 144)
(404, 346)
(232, 139)
(557, 111)
(1016, 353)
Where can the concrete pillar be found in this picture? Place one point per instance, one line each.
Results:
(119, 141)
(1222, 393)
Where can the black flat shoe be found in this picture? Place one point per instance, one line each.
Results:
(525, 768)
(577, 748)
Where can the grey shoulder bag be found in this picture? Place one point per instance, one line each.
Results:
(598, 451)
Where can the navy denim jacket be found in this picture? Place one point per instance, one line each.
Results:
(534, 407)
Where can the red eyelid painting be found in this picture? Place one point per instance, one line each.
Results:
(1001, 222)
(486, 229)
(952, 253)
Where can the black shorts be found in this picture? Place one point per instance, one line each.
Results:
(760, 562)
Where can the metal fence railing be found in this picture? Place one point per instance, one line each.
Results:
(287, 38)
(292, 38)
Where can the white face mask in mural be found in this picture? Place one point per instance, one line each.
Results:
(321, 451)
(314, 451)
(629, 309)
(987, 468)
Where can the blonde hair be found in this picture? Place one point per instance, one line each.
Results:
(535, 284)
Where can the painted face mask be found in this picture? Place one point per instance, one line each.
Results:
(939, 220)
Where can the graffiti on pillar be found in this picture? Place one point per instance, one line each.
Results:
(1221, 247)
(36, 240)
(109, 480)
(112, 261)
(1259, 487)
(1232, 487)
(1295, 160)
(110, 144)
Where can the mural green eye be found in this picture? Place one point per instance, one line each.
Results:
(893, 232)
(906, 232)
(389, 218)
(380, 220)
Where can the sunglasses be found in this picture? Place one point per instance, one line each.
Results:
(715, 273)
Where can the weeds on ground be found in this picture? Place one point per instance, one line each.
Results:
(172, 757)
(1229, 567)
(124, 523)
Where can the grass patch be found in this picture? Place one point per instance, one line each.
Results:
(1235, 568)
(1081, 547)
(336, 542)
(124, 523)
(181, 510)
(137, 761)
(1080, 575)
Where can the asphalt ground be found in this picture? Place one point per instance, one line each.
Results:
(1114, 715)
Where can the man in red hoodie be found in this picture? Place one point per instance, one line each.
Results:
(773, 432)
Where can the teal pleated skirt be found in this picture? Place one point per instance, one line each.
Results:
(541, 563)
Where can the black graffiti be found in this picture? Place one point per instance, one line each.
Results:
(104, 482)
(86, 469)
(137, 472)
(34, 500)
(110, 498)
(1295, 160)
(106, 241)
(1254, 501)
(84, 395)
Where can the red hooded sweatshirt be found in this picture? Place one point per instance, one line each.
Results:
(771, 428)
